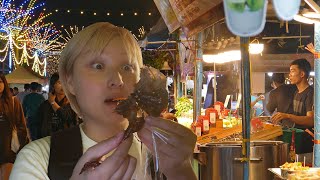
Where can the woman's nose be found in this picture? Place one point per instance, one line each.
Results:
(115, 81)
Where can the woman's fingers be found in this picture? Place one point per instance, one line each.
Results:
(118, 157)
(131, 168)
(95, 152)
(121, 170)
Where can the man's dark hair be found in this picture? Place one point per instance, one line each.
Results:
(303, 65)
(26, 86)
(15, 88)
(278, 78)
(34, 86)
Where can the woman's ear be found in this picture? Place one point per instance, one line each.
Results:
(69, 84)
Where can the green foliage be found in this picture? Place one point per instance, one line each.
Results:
(183, 105)
(154, 58)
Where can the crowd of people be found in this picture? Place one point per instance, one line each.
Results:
(33, 115)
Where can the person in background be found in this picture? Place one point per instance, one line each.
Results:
(303, 114)
(15, 91)
(100, 63)
(281, 97)
(39, 90)
(257, 105)
(55, 114)
(11, 116)
(30, 106)
(22, 94)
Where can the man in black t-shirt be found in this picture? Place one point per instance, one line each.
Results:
(281, 97)
(303, 114)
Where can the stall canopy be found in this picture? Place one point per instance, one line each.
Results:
(22, 76)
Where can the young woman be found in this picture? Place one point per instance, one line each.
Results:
(11, 117)
(55, 114)
(100, 63)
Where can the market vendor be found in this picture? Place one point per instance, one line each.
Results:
(281, 97)
(303, 114)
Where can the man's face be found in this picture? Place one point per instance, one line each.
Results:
(296, 75)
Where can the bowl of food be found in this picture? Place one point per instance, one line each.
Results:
(290, 168)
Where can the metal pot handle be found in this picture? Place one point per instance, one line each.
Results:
(251, 159)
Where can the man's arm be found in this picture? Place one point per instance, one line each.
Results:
(307, 120)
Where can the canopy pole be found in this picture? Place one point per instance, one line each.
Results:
(316, 151)
(198, 79)
(246, 107)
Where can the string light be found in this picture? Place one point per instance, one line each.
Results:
(68, 11)
(108, 14)
(95, 14)
(121, 14)
(20, 32)
(135, 14)
(149, 14)
(81, 12)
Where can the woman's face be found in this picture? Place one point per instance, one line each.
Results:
(58, 88)
(98, 79)
(1, 86)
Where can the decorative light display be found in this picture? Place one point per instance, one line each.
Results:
(24, 38)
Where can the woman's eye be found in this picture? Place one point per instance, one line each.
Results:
(128, 67)
(97, 66)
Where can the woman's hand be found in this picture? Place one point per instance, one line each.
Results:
(51, 97)
(119, 165)
(174, 154)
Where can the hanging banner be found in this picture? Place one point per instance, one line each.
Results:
(196, 15)
(286, 9)
(245, 18)
(167, 14)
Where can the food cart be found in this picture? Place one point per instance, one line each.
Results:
(229, 143)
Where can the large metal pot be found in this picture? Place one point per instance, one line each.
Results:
(223, 160)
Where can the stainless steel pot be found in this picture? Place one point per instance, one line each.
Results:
(223, 160)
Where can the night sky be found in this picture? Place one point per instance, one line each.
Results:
(101, 8)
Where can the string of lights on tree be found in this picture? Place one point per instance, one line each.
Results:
(20, 33)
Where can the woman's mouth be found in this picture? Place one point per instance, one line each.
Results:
(114, 100)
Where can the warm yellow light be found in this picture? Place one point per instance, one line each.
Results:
(135, 13)
(81, 12)
(57, 10)
(256, 48)
(95, 14)
(68, 11)
(228, 56)
(121, 14)
(62, 26)
(149, 14)
(44, 9)
(108, 14)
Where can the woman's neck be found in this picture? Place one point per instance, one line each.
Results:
(98, 132)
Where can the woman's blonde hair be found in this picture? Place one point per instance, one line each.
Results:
(93, 39)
